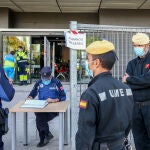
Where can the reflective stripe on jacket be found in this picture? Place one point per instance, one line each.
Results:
(9, 61)
(21, 56)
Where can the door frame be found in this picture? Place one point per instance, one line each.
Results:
(31, 32)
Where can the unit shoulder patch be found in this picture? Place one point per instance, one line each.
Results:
(83, 104)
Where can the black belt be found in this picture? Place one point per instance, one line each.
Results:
(108, 145)
(140, 104)
(115, 143)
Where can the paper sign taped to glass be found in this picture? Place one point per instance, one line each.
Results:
(34, 104)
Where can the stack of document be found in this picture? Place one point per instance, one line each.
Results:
(34, 104)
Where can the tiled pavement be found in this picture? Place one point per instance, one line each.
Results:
(21, 93)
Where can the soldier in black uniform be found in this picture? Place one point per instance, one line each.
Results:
(138, 78)
(106, 106)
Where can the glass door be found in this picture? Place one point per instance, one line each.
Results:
(49, 54)
(46, 52)
(14, 44)
(35, 60)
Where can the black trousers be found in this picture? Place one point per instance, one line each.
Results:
(141, 127)
(42, 123)
(1, 143)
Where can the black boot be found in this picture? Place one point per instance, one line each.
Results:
(43, 140)
(21, 83)
(25, 83)
(49, 135)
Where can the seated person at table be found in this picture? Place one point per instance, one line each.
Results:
(50, 89)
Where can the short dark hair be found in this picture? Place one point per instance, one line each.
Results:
(12, 52)
(20, 47)
(107, 59)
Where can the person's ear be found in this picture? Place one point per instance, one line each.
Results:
(146, 46)
(97, 62)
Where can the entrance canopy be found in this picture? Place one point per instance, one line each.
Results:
(32, 31)
(68, 6)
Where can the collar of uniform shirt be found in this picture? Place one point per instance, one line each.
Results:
(101, 75)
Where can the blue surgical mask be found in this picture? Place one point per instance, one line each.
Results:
(139, 51)
(90, 72)
(46, 82)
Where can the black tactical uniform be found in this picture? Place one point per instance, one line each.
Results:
(139, 81)
(105, 113)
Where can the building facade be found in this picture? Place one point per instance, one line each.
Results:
(57, 14)
(47, 20)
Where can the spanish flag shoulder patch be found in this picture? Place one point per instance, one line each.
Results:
(83, 104)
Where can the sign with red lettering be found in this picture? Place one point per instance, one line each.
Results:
(75, 40)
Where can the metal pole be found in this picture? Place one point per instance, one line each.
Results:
(61, 131)
(13, 138)
(45, 52)
(65, 129)
(49, 53)
(67, 126)
(73, 86)
(53, 62)
(25, 129)
(63, 115)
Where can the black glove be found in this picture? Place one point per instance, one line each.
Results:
(4, 120)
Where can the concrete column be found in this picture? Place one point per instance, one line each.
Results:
(4, 17)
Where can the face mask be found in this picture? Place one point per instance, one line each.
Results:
(90, 72)
(46, 82)
(139, 51)
(19, 50)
